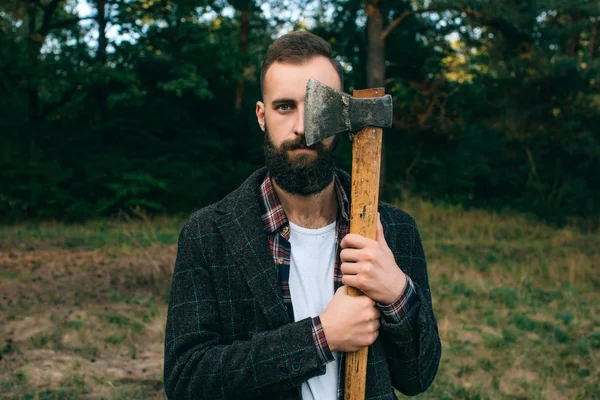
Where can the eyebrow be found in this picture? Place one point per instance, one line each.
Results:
(283, 100)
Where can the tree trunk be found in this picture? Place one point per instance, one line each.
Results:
(376, 62)
(33, 98)
(102, 42)
(376, 52)
(244, 33)
(594, 37)
(574, 36)
(101, 93)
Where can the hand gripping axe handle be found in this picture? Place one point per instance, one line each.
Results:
(330, 112)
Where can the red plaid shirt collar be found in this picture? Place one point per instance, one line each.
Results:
(275, 218)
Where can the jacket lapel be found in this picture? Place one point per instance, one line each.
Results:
(242, 230)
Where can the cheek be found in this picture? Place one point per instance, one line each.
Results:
(280, 128)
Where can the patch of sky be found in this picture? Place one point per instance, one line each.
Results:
(283, 16)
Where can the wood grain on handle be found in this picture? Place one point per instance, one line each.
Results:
(366, 164)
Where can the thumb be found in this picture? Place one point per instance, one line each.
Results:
(342, 291)
(380, 237)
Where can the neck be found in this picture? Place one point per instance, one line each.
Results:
(312, 212)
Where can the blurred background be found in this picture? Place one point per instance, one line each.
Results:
(118, 118)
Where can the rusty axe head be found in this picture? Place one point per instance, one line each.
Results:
(328, 112)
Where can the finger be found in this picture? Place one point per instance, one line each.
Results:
(375, 335)
(350, 268)
(350, 255)
(342, 290)
(350, 280)
(369, 302)
(354, 241)
(377, 313)
(357, 282)
(374, 325)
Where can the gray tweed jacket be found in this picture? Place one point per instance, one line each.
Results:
(228, 333)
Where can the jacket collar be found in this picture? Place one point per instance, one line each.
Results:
(242, 229)
(273, 214)
(247, 193)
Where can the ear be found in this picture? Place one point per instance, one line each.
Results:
(260, 114)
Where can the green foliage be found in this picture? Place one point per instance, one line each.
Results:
(115, 339)
(122, 321)
(496, 103)
(134, 190)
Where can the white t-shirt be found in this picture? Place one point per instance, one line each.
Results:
(312, 266)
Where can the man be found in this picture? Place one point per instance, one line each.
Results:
(257, 308)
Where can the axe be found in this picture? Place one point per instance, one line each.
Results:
(329, 112)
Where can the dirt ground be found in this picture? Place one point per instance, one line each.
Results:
(83, 307)
(83, 323)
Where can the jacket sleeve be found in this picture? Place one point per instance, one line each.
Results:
(199, 365)
(412, 345)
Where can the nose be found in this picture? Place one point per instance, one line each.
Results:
(299, 125)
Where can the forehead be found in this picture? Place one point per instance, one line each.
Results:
(287, 80)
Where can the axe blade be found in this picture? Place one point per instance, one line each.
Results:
(328, 112)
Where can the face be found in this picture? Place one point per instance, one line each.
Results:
(296, 168)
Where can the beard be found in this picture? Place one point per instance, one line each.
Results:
(302, 174)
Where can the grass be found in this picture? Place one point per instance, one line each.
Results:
(124, 233)
(516, 302)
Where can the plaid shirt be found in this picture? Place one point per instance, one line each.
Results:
(278, 229)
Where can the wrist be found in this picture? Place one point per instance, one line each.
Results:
(321, 345)
(396, 311)
(397, 290)
(327, 331)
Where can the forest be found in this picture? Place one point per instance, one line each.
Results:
(119, 118)
(112, 106)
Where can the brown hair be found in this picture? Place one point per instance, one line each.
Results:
(298, 47)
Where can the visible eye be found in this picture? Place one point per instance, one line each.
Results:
(284, 107)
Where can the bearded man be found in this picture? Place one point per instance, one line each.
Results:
(259, 307)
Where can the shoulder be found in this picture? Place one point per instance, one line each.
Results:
(201, 220)
(399, 227)
(401, 234)
(395, 216)
(390, 215)
(206, 219)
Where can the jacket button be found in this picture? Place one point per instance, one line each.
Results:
(284, 371)
(296, 366)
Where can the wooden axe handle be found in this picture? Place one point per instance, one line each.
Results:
(366, 165)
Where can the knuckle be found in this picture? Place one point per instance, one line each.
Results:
(347, 280)
(362, 281)
(366, 301)
(344, 267)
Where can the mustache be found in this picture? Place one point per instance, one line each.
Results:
(300, 143)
